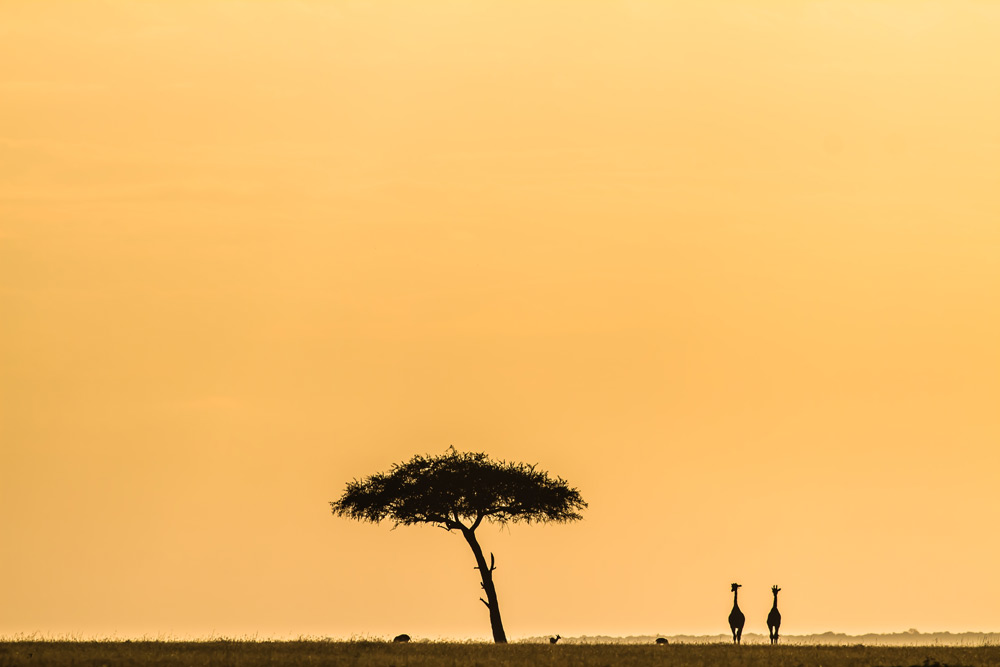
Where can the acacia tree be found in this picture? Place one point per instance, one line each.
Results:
(457, 491)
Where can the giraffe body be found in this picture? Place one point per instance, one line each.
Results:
(736, 618)
(774, 617)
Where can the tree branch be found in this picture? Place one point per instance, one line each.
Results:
(485, 603)
(502, 509)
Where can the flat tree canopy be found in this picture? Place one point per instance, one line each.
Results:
(460, 488)
(458, 491)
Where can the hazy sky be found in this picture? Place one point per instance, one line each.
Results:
(730, 268)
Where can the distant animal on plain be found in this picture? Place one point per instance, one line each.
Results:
(553, 640)
(662, 641)
(401, 638)
(774, 617)
(736, 618)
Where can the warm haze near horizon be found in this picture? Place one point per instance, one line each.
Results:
(731, 270)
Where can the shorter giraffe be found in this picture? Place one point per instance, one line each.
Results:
(736, 618)
(774, 617)
(553, 640)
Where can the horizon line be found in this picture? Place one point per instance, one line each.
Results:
(581, 638)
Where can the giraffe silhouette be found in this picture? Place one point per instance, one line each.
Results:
(774, 617)
(736, 617)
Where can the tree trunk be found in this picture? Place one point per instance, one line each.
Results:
(486, 572)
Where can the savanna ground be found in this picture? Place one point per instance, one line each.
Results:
(419, 654)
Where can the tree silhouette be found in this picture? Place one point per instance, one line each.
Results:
(458, 491)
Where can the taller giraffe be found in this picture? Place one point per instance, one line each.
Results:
(774, 617)
(736, 618)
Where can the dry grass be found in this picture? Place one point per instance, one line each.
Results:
(419, 654)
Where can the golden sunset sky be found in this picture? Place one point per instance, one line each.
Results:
(730, 268)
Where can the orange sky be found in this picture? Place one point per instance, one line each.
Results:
(733, 271)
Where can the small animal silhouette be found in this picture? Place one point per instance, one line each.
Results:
(401, 638)
(662, 641)
(774, 617)
(736, 618)
(553, 640)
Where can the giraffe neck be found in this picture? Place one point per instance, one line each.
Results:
(775, 605)
(735, 594)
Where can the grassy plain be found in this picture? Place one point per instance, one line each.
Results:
(419, 654)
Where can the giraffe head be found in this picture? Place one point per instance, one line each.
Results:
(775, 589)
(735, 586)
